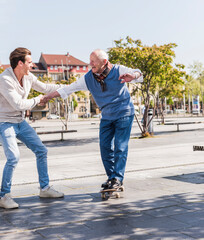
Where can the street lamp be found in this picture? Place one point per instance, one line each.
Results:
(201, 90)
(184, 100)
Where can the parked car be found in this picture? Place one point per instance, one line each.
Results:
(195, 111)
(97, 115)
(86, 115)
(168, 111)
(53, 116)
(180, 111)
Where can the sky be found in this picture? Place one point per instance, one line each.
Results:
(80, 26)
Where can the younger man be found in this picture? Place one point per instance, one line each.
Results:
(15, 85)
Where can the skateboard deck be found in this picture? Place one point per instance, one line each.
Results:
(107, 193)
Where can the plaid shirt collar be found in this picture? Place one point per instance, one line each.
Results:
(101, 77)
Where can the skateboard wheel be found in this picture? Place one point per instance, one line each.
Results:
(103, 196)
(117, 195)
(122, 189)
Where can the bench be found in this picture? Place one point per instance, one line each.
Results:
(57, 131)
(35, 128)
(180, 123)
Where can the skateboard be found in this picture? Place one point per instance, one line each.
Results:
(107, 193)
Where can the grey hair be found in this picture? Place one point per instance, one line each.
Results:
(101, 54)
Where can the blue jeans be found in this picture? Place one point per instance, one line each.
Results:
(26, 134)
(114, 138)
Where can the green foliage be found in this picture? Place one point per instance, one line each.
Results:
(156, 64)
(1, 70)
(75, 103)
(81, 94)
(170, 101)
(193, 86)
(34, 93)
(195, 81)
(66, 82)
(196, 70)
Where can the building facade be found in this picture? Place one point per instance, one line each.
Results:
(61, 67)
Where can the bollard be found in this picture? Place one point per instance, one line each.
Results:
(150, 127)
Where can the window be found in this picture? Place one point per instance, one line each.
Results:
(84, 67)
(51, 67)
(77, 67)
(43, 114)
(82, 109)
(78, 99)
(54, 77)
(56, 68)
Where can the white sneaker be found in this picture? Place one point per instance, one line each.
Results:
(50, 192)
(7, 202)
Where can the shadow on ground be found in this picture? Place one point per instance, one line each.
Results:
(196, 178)
(86, 216)
(70, 142)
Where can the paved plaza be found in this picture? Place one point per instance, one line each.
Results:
(163, 197)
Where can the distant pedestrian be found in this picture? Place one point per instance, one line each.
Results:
(143, 112)
(106, 82)
(15, 85)
(156, 113)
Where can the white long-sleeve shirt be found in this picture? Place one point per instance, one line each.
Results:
(80, 84)
(13, 97)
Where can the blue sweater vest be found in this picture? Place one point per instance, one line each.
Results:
(115, 102)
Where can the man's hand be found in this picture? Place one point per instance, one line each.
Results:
(41, 100)
(128, 77)
(44, 99)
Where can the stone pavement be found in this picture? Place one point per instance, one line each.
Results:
(163, 197)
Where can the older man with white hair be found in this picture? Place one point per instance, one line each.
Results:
(106, 82)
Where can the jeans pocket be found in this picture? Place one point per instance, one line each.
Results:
(126, 121)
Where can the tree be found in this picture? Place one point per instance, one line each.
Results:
(195, 80)
(33, 93)
(171, 85)
(69, 103)
(196, 70)
(156, 64)
(1, 70)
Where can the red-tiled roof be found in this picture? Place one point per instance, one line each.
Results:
(38, 67)
(5, 66)
(52, 59)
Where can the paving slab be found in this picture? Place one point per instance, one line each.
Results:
(163, 197)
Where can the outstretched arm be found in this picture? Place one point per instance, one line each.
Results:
(66, 90)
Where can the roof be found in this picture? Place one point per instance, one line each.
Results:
(38, 67)
(5, 66)
(54, 59)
